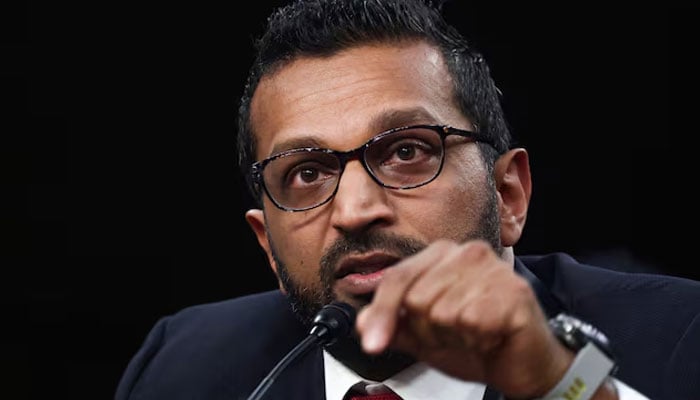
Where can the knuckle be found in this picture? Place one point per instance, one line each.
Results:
(443, 245)
(476, 250)
(521, 288)
(442, 316)
(416, 302)
(468, 319)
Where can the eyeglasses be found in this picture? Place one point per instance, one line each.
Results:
(400, 158)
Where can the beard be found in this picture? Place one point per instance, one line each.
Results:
(306, 301)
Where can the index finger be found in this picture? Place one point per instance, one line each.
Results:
(377, 322)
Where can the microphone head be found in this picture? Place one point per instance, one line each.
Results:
(333, 321)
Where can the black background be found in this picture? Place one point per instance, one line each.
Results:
(121, 201)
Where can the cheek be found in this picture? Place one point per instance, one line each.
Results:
(454, 204)
(451, 214)
(301, 251)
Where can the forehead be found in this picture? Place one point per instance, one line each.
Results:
(340, 101)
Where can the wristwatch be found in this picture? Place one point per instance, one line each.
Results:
(594, 362)
(575, 334)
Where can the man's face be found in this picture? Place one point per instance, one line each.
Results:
(338, 251)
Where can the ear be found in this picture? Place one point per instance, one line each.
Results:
(514, 188)
(256, 221)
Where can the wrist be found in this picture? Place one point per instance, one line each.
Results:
(545, 375)
(588, 376)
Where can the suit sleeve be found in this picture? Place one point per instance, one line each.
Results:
(683, 375)
(141, 360)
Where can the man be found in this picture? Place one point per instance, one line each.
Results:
(372, 135)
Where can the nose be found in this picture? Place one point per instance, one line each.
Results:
(359, 203)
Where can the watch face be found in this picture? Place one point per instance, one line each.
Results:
(575, 333)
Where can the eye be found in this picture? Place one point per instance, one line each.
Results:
(305, 173)
(308, 174)
(308, 170)
(407, 150)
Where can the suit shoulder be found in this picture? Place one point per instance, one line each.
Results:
(563, 273)
(239, 311)
(652, 320)
(211, 348)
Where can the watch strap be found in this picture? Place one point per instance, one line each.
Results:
(589, 370)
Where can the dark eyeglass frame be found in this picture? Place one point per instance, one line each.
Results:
(256, 169)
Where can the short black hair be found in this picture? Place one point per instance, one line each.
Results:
(319, 28)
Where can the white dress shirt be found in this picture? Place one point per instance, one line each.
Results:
(421, 382)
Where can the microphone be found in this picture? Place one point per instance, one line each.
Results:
(333, 321)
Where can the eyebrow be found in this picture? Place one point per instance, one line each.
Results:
(298, 143)
(395, 118)
(383, 121)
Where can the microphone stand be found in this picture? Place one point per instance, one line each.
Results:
(333, 321)
(301, 348)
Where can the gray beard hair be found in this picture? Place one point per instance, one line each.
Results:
(307, 301)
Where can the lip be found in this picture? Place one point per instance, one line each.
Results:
(361, 274)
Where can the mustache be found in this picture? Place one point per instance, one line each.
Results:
(401, 246)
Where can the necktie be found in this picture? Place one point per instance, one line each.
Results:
(380, 396)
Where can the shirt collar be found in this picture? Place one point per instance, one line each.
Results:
(417, 382)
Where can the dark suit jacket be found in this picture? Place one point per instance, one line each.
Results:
(223, 350)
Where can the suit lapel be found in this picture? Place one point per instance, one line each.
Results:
(302, 380)
(548, 303)
(492, 394)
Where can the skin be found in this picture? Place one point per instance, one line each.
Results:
(456, 303)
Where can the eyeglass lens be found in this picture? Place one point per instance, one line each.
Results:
(401, 159)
